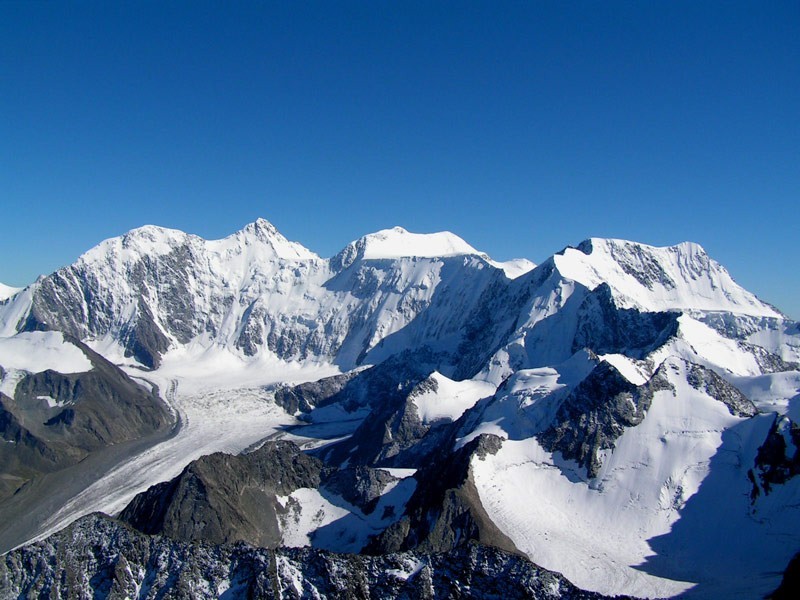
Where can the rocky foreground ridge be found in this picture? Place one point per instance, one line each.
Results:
(99, 557)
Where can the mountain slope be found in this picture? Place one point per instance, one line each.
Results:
(60, 401)
(618, 413)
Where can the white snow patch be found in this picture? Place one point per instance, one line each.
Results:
(15, 310)
(324, 520)
(398, 472)
(409, 568)
(630, 369)
(715, 349)
(307, 511)
(6, 291)
(8, 383)
(201, 368)
(451, 398)
(529, 399)
(52, 402)
(38, 351)
(514, 268)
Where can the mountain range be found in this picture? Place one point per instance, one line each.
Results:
(619, 419)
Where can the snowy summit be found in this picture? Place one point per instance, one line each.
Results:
(400, 243)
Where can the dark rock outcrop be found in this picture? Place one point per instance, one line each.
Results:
(445, 510)
(595, 414)
(224, 498)
(99, 557)
(305, 397)
(56, 419)
(706, 380)
(606, 329)
(778, 458)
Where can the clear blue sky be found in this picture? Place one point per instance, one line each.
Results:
(520, 126)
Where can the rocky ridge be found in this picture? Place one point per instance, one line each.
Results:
(99, 557)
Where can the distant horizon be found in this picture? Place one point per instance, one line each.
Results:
(520, 127)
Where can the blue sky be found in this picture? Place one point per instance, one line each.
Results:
(521, 126)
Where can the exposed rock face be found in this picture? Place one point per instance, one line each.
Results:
(22, 455)
(360, 486)
(392, 427)
(56, 419)
(637, 263)
(596, 413)
(223, 498)
(606, 329)
(445, 510)
(715, 386)
(305, 397)
(392, 424)
(99, 557)
(778, 458)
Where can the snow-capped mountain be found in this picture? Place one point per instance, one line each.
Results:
(618, 413)
(154, 290)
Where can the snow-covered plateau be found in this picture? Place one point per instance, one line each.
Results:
(621, 414)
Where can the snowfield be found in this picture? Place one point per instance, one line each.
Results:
(38, 351)
(6, 291)
(600, 533)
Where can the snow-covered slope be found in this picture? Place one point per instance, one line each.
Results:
(6, 291)
(680, 277)
(399, 243)
(516, 267)
(38, 351)
(155, 290)
(601, 532)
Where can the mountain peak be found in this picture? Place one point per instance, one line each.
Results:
(588, 245)
(655, 278)
(263, 232)
(399, 243)
(261, 227)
